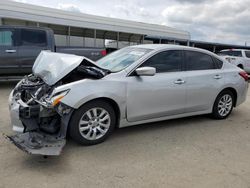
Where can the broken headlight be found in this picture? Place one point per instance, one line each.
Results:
(57, 97)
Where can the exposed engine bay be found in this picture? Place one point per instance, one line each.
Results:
(37, 112)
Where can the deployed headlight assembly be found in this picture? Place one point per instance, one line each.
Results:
(57, 97)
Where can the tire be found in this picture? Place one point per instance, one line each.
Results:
(223, 105)
(92, 123)
(241, 66)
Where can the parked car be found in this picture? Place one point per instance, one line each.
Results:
(68, 94)
(238, 57)
(20, 45)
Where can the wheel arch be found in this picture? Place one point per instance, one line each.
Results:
(234, 93)
(114, 105)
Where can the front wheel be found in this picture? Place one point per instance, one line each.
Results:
(223, 105)
(92, 123)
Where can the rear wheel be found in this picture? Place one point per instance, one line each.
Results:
(240, 66)
(223, 105)
(92, 123)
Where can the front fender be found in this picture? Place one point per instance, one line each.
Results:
(87, 90)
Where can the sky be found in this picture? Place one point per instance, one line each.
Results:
(222, 21)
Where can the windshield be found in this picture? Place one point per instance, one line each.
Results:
(121, 59)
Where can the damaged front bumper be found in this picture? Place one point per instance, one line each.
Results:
(38, 143)
(41, 130)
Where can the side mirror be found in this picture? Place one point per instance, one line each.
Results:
(145, 71)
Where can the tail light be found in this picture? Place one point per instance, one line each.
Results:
(244, 75)
(104, 52)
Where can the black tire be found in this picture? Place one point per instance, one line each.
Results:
(215, 114)
(74, 131)
(241, 66)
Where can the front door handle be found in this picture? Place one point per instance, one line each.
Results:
(217, 77)
(179, 81)
(10, 51)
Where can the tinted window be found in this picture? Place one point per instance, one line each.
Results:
(218, 63)
(247, 54)
(198, 61)
(6, 38)
(168, 61)
(231, 53)
(33, 38)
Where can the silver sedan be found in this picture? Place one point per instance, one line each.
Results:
(68, 94)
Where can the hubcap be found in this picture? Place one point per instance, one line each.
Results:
(225, 105)
(94, 123)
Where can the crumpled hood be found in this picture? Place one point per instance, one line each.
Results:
(52, 67)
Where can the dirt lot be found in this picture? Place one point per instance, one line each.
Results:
(189, 152)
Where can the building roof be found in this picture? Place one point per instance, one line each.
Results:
(16, 10)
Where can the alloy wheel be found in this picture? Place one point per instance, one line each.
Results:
(94, 123)
(225, 105)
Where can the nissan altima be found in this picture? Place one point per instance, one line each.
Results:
(72, 95)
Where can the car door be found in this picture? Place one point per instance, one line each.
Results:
(160, 95)
(247, 61)
(9, 62)
(203, 80)
(31, 43)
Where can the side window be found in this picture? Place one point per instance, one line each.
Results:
(198, 61)
(218, 63)
(6, 38)
(237, 53)
(247, 54)
(167, 61)
(33, 37)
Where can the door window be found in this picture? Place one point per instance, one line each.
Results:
(167, 61)
(33, 37)
(6, 38)
(247, 54)
(198, 61)
(218, 63)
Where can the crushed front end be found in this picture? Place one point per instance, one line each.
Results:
(39, 117)
(36, 110)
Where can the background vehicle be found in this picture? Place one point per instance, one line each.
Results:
(19, 47)
(238, 57)
(134, 85)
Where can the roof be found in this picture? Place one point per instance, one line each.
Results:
(160, 46)
(234, 49)
(169, 46)
(16, 10)
(216, 43)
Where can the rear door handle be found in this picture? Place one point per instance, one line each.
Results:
(217, 77)
(179, 81)
(10, 51)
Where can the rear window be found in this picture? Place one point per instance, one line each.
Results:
(33, 37)
(231, 53)
(6, 38)
(247, 54)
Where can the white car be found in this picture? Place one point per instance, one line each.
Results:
(238, 57)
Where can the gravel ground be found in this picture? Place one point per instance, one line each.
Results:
(190, 152)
